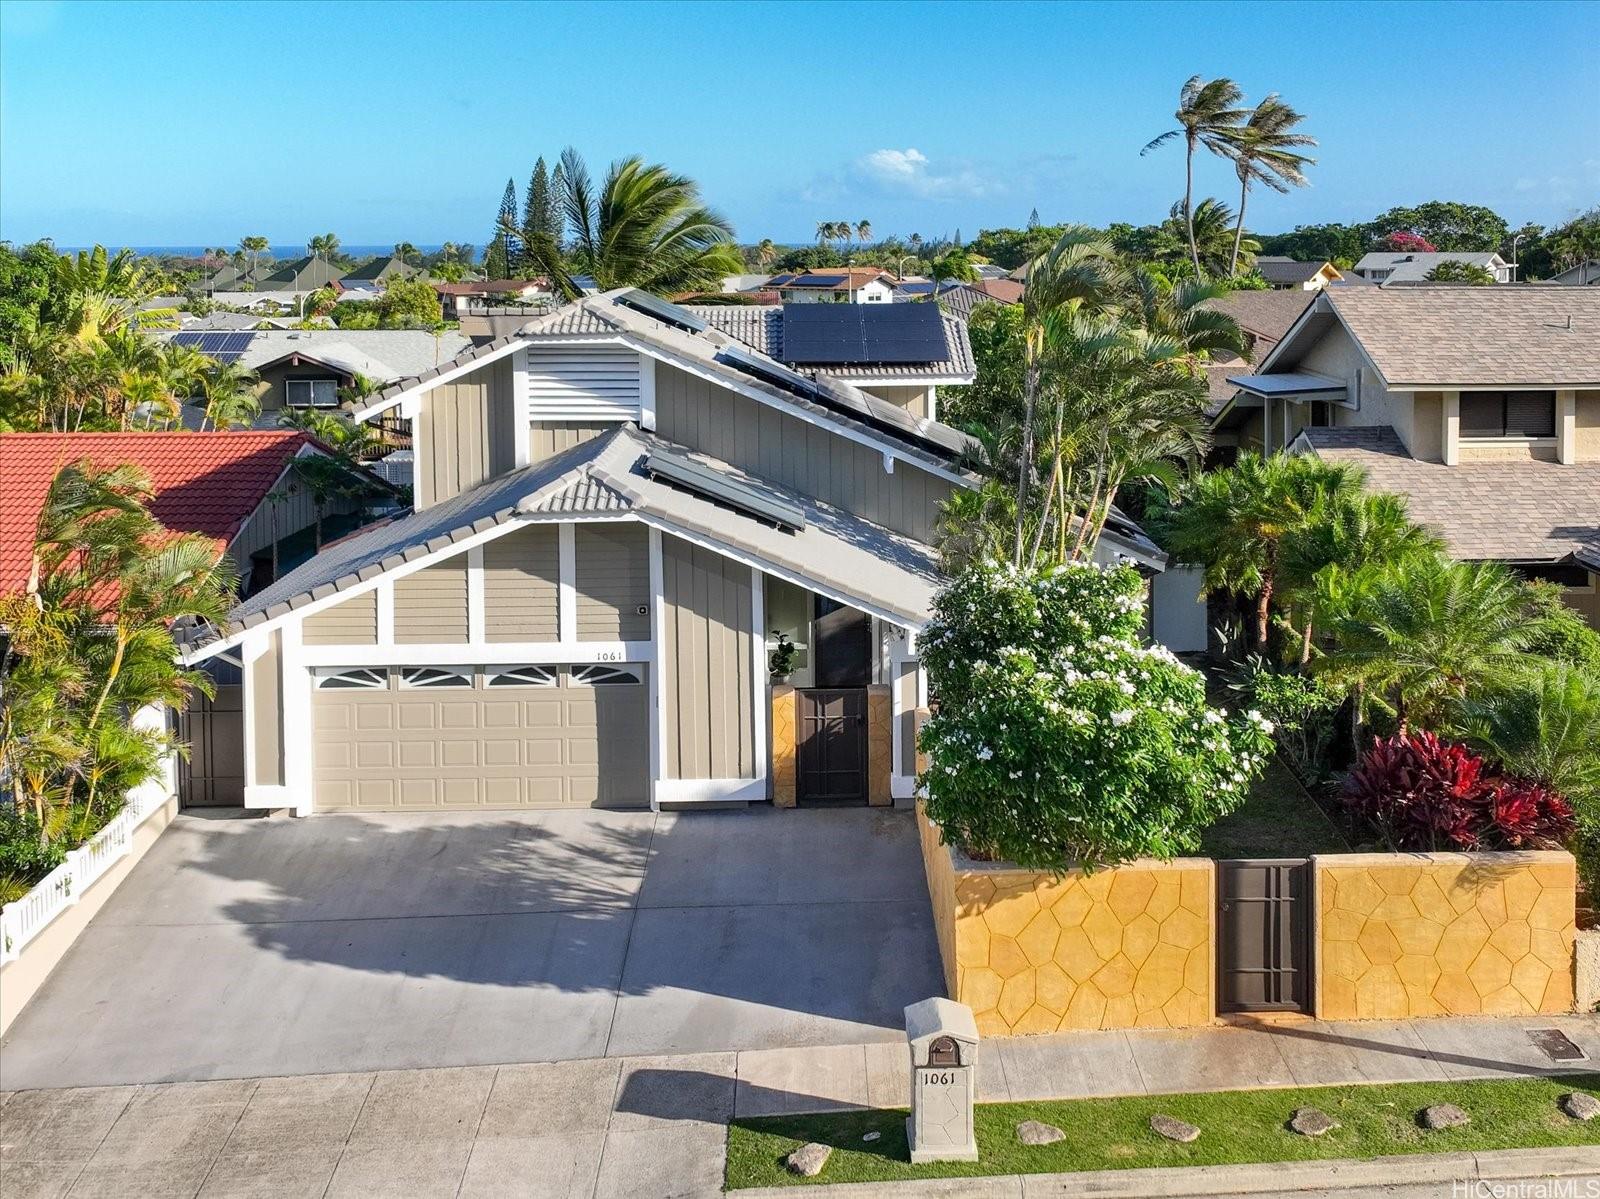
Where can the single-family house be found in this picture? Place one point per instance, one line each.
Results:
(373, 274)
(476, 295)
(1481, 405)
(1389, 267)
(1264, 317)
(301, 275)
(835, 285)
(619, 510)
(1292, 274)
(1584, 274)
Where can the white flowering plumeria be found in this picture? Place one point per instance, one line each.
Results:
(1061, 736)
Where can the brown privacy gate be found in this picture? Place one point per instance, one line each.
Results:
(1264, 935)
(832, 746)
(211, 775)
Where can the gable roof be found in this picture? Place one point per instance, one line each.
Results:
(383, 355)
(1450, 337)
(206, 483)
(1412, 266)
(836, 550)
(380, 268)
(303, 273)
(760, 326)
(1541, 511)
(1289, 272)
(844, 278)
(1266, 315)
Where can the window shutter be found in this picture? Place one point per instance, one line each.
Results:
(1530, 414)
(1481, 414)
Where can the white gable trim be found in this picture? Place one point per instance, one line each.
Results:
(384, 403)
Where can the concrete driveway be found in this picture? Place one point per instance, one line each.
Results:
(248, 947)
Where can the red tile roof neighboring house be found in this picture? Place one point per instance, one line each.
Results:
(1007, 291)
(206, 483)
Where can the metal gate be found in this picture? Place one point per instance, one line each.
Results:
(211, 775)
(1264, 935)
(832, 750)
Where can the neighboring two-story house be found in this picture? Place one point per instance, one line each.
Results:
(1480, 404)
(619, 509)
(1411, 266)
(835, 285)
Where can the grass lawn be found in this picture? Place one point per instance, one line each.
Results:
(1277, 820)
(1237, 1126)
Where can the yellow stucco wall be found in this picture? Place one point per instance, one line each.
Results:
(784, 720)
(880, 745)
(1444, 934)
(1120, 948)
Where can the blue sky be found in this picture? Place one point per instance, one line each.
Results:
(148, 124)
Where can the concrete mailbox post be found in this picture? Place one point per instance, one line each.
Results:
(944, 1070)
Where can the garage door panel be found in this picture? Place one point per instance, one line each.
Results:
(507, 747)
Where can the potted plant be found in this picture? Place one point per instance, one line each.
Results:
(781, 663)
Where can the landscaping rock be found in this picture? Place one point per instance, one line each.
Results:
(1310, 1122)
(1580, 1106)
(1443, 1115)
(1174, 1129)
(808, 1160)
(871, 1136)
(1032, 1132)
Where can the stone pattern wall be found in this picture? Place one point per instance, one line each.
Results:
(785, 723)
(1130, 947)
(880, 745)
(1444, 934)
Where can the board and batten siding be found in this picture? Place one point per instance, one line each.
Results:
(521, 585)
(706, 685)
(612, 578)
(352, 622)
(465, 433)
(548, 438)
(785, 450)
(430, 605)
(266, 715)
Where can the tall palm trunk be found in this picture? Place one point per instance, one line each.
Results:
(1188, 205)
(1025, 466)
(1238, 228)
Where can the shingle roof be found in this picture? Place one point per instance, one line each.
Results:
(1503, 336)
(207, 483)
(1287, 272)
(1512, 511)
(1265, 314)
(1412, 266)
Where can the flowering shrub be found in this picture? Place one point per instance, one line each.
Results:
(1428, 794)
(1405, 242)
(1061, 739)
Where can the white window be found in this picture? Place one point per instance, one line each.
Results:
(596, 675)
(520, 676)
(362, 678)
(311, 393)
(435, 676)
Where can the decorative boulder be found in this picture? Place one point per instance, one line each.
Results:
(808, 1160)
(1174, 1129)
(1443, 1115)
(1312, 1122)
(1032, 1132)
(1580, 1106)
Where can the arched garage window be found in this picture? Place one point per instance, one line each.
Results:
(362, 678)
(596, 675)
(520, 676)
(435, 676)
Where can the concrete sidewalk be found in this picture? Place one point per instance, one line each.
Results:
(644, 1127)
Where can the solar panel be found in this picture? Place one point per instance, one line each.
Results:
(818, 280)
(643, 301)
(780, 280)
(839, 334)
(223, 346)
(753, 501)
(769, 372)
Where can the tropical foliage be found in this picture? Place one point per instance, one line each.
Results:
(1062, 739)
(89, 646)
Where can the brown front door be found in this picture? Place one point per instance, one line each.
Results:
(1264, 935)
(832, 766)
(211, 775)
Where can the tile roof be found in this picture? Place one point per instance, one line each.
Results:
(207, 483)
(848, 278)
(1512, 511)
(1007, 291)
(1509, 335)
(384, 355)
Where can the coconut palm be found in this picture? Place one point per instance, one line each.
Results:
(1266, 150)
(1423, 636)
(230, 401)
(407, 253)
(252, 248)
(863, 232)
(1213, 223)
(766, 253)
(645, 228)
(1208, 114)
(324, 246)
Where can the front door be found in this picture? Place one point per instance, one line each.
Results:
(832, 757)
(1264, 935)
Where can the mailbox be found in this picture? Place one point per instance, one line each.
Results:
(943, 1038)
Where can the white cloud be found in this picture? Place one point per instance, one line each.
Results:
(910, 170)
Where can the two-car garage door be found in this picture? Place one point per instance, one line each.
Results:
(462, 737)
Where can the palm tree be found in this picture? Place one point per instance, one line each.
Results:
(407, 253)
(1428, 634)
(1265, 150)
(1212, 222)
(1208, 114)
(766, 253)
(1235, 523)
(324, 246)
(252, 248)
(646, 228)
(863, 232)
(1546, 727)
(230, 402)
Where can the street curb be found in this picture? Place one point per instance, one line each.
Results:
(1256, 1178)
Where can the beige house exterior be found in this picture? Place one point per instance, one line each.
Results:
(618, 508)
(1480, 405)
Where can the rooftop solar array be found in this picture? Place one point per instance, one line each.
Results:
(816, 280)
(780, 280)
(683, 471)
(224, 347)
(652, 306)
(847, 334)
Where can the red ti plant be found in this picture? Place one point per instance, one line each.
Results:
(1428, 794)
